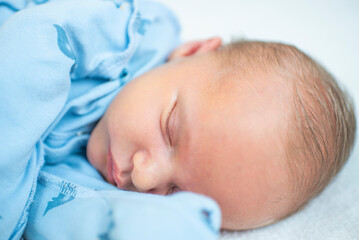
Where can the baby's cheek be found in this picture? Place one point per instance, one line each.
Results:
(96, 149)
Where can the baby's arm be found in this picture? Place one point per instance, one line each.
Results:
(38, 54)
(36, 59)
(115, 214)
(34, 89)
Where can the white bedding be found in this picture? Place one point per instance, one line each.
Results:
(328, 31)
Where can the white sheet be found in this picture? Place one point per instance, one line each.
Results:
(329, 31)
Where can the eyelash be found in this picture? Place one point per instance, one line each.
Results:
(167, 123)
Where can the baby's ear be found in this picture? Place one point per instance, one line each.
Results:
(195, 47)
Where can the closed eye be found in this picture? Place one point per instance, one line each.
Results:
(167, 124)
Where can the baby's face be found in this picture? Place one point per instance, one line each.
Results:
(189, 126)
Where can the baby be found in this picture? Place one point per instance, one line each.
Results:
(260, 127)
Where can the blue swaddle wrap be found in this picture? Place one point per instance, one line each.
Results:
(61, 64)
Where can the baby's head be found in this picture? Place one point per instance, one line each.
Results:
(259, 127)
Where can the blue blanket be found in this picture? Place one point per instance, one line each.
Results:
(61, 64)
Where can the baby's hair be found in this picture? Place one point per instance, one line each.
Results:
(321, 135)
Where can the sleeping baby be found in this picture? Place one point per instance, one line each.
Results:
(100, 96)
(258, 126)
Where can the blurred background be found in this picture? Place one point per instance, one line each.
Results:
(327, 30)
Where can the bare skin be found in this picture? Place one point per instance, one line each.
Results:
(182, 127)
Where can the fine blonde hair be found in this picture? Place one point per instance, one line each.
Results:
(322, 131)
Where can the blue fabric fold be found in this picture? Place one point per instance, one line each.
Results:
(61, 64)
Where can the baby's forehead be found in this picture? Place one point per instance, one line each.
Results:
(255, 114)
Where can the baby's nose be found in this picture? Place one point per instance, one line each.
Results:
(150, 174)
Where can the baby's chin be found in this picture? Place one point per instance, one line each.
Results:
(96, 148)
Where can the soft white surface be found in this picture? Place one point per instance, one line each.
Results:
(329, 31)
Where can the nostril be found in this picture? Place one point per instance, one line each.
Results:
(151, 191)
(156, 191)
(123, 179)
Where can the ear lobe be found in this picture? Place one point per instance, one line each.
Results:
(195, 47)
